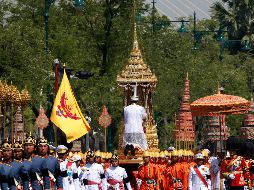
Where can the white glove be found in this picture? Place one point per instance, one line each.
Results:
(231, 176)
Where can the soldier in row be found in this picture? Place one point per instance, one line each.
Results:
(27, 166)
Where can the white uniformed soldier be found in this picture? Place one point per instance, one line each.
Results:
(68, 169)
(116, 176)
(93, 177)
(199, 176)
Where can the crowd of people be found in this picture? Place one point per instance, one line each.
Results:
(184, 170)
(37, 165)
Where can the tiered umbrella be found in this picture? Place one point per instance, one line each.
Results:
(219, 104)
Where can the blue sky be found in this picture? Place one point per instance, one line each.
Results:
(184, 8)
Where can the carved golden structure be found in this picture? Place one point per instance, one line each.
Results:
(136, 72)
(12, 101)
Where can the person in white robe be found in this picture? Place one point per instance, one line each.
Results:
(134, 117)
(199, 176)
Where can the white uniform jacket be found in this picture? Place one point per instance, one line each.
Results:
(195, 183)
(68, 182)
(93, 174)
(115, 177)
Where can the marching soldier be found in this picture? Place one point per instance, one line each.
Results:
(68, 169)
(97, 155)
(177, 169)
(199, 176)
(29, 153)
(162, 183)
(50, 168)
(236, 171)
(6, 166)
(36, 171)
(185, 169)
(147, 173)
(52, 150)
(17, 165)
(223, 171)
(116, 176)
(93, 177)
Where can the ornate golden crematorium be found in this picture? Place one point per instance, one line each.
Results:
(137, 74)
(12, 102)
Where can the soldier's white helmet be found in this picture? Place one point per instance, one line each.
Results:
(199, 156)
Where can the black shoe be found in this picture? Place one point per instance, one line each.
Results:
(132, 150)
(126, 150)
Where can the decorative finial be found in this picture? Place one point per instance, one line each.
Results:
(135, 40)
(218, 88)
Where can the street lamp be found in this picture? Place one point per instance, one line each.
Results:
(160, 23)
(77, 3)
(232, 45)
(198, 34)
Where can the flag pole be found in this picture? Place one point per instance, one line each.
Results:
(105, 139)
(56, 89)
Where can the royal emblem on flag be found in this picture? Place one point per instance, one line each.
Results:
(65, 110)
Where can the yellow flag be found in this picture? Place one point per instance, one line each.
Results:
(66, 113)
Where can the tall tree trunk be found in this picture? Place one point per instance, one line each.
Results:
(107, 28)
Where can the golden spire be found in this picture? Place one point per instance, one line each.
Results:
(135, 39)
(136, 71)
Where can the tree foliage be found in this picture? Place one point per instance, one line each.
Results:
(98, 39)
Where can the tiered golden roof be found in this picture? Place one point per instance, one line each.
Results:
(10, 93)
(136, 71)
(25, 97)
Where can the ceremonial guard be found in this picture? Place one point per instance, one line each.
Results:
(77, 159)
(29, 153)
(162, 165)
(52, 150)
(97, 155)
(116, 176)
(185, 169)
(6, 166)
(17, 165)
(147, 173)
(36, 173)
(177, 169)
(68, 169)
(50, 168)
(223, 170)
(93, 177)
(199, 176)
(235, 172)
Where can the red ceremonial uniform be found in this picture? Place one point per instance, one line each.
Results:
(149, 176)
(236, 167)
(162, 183)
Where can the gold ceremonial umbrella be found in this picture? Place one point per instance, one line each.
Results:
(219, 104)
